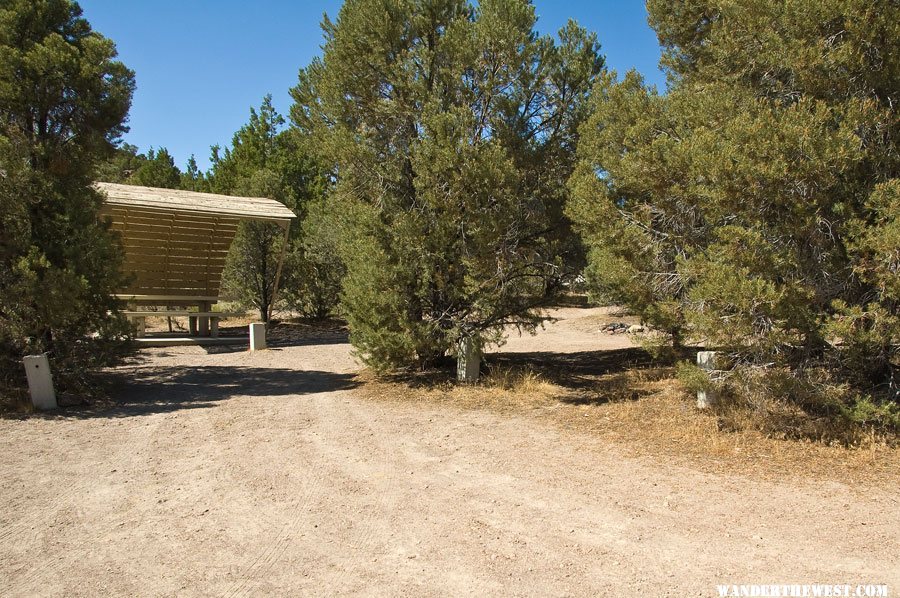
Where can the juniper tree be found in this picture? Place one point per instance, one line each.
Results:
(192, 178)
(265, 161)
(157, 169)
(450, 129)
(753, 207)
(119, 165)
(63, 100)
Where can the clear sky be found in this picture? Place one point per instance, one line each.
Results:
(201, 64)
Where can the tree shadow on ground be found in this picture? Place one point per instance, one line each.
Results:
(280, 336)
(586, 377)
(590, 377)
(574, 370)
(147, 391)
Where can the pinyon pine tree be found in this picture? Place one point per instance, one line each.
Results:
(754, 207)
(63, 100)
(264, 161)
(157, 170)
(451, 130)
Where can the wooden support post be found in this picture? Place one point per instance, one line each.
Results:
(214, 327)
(204, 320)
(192, 325)
(40, 381)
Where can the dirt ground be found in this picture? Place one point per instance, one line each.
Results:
(229, 473)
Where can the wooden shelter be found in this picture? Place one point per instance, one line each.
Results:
(176, 242)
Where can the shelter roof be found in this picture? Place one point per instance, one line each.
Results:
(174, 200)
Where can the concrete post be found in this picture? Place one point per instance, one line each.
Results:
(468, 360)
(140, 325)
(257, 336)
(40, 381)
(706, 360)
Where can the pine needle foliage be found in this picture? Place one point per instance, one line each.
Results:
(451, 130)
(753, 207)
(63, 101)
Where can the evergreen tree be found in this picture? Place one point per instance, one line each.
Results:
(449, 129)
(119, 167)
(157, 169)
(192, 179)
(265, 162)
(63, 101)
(752, 207)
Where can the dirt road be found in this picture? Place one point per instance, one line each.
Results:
(233, 474)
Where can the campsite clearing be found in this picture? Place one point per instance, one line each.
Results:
(221, 472)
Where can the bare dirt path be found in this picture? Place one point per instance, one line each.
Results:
(233, 474)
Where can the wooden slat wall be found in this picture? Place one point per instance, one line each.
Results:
(175, 253)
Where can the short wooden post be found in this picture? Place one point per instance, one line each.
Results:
(214, 327)
(257, 336)
(204, 320)
(192, 325)
(468, 360)
(706, 360)
(40, 381)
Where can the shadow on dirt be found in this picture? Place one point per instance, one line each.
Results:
(591, 377)
(587, 377)
(146, 391)
(288, 334)
(574, 370)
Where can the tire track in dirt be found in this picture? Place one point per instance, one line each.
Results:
(261, 563)
(49, 568)
(333, 421)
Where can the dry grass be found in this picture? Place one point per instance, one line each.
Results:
(646, 412)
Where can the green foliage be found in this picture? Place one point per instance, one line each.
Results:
(754, 206)
(157, 170)
(192, 179)
(266, 162)
(314, 270)
(63, 101)
(450, 129)
(118, 167)
(693, 377)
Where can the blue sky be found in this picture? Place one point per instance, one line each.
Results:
(201, 64)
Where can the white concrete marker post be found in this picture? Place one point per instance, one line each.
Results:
(40, 381)
(257, 336)
(706, 360)
(468, 361)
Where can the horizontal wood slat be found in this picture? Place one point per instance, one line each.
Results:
(189, 252)
(132, 242)
(177, 270)
(182, 265)
(174, 227)
(142, 298)
(137, 213)
(183, 312)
